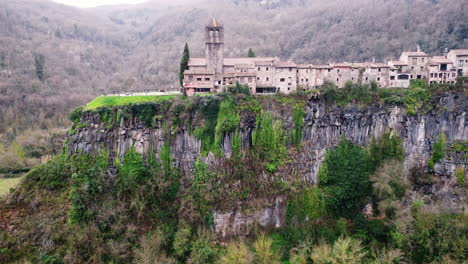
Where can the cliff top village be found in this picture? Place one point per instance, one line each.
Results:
(267, 75)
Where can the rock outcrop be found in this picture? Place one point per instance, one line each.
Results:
(324, 127)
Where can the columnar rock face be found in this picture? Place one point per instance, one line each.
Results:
(324, 128)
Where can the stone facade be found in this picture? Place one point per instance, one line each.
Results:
(267, 75)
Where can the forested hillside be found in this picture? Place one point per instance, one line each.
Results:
(54, 57)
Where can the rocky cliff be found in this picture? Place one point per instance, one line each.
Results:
(324, 127)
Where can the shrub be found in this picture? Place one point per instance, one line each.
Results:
(53, 175)
(182, 242)
(309, 204)
(236, 253)
(460, 174)
(263, 251)
(269, 141)
(438, 151)
(389, 183)
(344, 250)
(344, 178)
(386, 147)
(75, 114)
(203, 251)
(150, 250)
(298, 119)
(436, 236)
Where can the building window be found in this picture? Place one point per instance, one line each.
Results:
(267, 78)
(329, 70)
(380, 70)
(422, 68)
(290, 69)
(282, 80)
(250, 79)
(392, 78)
(242, 79)
(367, 78)
(414, 61)
(337, 79)
(207, 78)
(378, 79)
(412, 68)
(190, 78)
(258, 78)
(307, 80)
(258, 68)
(199, 79)
(460, 63)
(352, 79)
(289, 88)
(422, 59)
(267, 68)
(338, 70)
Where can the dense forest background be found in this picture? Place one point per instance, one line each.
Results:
(55, 57)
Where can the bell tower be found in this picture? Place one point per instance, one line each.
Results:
(214, 35)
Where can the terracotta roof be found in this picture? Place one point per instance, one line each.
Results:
(199, 71)
(341, 65)
(246, 60)
(378, 65)
(414, 53)
(462, 52)
(398, 63)
(264, 63)
(322, 66)
(285, 64)
(436, 60)
(197, 62)
(243, 66)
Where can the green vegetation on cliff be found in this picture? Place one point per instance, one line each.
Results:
(111, 208)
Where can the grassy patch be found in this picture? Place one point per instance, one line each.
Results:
(7, 183)
(126, 100)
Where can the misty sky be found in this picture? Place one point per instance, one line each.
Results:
(94, 3)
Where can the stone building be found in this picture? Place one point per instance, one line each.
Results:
(269, 75)
(459, 57)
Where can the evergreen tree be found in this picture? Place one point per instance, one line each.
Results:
(39, 62)
(3, 61)
(251, 53)
(184, 64)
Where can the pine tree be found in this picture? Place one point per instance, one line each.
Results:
(39, 62)
(251, 53)
(184, 64)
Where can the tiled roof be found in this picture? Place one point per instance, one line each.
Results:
(414, 53)
(436, 60)
(197, 62)
(199, 71)
(341, 65)
(463, 52)
(285, 64)
(398, 63)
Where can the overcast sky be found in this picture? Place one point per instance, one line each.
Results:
(94, 3)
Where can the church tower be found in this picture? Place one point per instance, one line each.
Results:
(214, 35)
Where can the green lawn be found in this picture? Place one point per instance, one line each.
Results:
(125, 100)
(7, 183)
